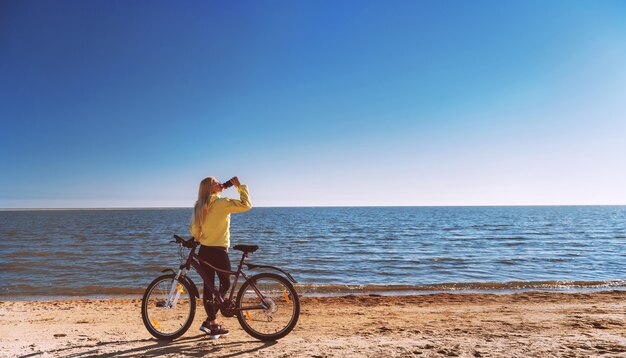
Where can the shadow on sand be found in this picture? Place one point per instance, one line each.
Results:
(197, 346)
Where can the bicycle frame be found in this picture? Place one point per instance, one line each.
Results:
(195, 261)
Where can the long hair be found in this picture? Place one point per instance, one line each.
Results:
(204, 198)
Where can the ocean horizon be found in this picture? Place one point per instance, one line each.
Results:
(309, 206)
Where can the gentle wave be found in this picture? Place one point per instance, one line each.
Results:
(308, 289)
(507, 238)
(465, 286)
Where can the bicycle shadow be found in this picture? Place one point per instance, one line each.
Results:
(197, 346)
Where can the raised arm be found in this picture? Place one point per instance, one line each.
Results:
(241, 205)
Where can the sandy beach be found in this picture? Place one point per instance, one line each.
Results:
(538, 324)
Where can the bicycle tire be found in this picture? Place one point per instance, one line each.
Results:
(241, 316)
(144, 309)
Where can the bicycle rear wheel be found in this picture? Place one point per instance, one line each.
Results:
(166, 315)
(281, 302)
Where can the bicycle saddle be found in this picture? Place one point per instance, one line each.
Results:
(246, 248)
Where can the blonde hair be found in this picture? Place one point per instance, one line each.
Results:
(204, 198)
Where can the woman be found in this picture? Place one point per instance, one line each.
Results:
(210, 226)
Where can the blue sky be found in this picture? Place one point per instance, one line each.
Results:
(131, 104)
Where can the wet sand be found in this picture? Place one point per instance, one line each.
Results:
(536, 324)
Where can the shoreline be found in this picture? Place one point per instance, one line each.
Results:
(373, 293)
(538, 324)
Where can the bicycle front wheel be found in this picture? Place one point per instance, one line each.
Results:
(280, 306)
(168, 307)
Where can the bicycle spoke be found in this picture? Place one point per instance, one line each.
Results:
(167, 314)
(278, 302)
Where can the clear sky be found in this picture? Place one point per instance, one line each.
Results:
(313, 103)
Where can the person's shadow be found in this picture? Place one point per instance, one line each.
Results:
(191, 346)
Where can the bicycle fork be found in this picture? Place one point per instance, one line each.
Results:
(175, 291)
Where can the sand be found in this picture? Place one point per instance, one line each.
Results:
(536, 324)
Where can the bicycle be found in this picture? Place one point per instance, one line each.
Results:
(267, 305)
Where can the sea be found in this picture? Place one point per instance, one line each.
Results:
(328, 250)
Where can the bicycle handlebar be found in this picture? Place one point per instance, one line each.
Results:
(191, 243)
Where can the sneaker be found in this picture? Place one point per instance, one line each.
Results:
(214, 331)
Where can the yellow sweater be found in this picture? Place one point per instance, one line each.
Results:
(215, 229)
